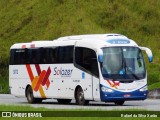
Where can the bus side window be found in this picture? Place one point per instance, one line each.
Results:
(87, 60)
(42, 55)
(69, 54)
(65, 54)
(61, 55)
(79, 56)
(94, 64)
(17, 56)
(27, 56)
(53, 55)
(33, 56)
(12, 54)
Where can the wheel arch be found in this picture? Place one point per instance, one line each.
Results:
(26, 89)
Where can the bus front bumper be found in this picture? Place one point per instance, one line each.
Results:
(111, 95)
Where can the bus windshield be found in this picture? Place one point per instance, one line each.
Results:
(123, 63)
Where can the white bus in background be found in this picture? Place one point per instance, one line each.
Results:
(98, 67)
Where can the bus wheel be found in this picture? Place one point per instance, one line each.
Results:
(64, 101)
(119, 102)
(29, 95)
(80, 100)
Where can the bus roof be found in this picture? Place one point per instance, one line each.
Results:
(90, 40)
(91, 36)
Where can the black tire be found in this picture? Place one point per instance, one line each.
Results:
(119, 103)
(64, 101)
(80, 100)
(29, 95)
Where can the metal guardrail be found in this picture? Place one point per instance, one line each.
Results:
(154, 94)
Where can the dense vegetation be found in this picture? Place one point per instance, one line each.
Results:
(28, 20)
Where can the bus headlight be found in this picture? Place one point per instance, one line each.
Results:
(145, 88)
(104, 89)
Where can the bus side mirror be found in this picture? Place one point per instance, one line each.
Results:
(149, 53)
(100, 55)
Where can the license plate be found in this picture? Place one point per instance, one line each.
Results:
(127, 95)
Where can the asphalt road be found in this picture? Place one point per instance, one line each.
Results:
(149, 104)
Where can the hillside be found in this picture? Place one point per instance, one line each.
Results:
(25, 21)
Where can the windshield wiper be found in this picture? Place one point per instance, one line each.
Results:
(134, 75)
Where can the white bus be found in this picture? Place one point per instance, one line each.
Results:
(98, 67)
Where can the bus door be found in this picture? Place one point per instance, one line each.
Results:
(86, 60)
(95, 79)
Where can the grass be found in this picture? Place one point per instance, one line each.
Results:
(25, 21)
(4, 88)
(154, 86)
(30, 108)
(82, 118)
(24, 109)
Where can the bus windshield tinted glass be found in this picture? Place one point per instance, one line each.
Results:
(123, 63)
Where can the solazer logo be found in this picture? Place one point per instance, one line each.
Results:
(63, 72)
